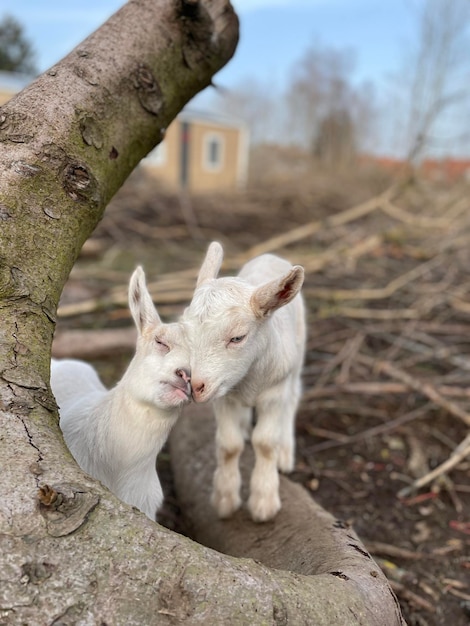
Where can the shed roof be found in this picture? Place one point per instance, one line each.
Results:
(190, 114)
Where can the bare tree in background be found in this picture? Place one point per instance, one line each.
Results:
(326, 112)
(321, 110)
(438, 76)
(335, 142)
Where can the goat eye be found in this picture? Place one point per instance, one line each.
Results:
(238, 339)
(162, 344)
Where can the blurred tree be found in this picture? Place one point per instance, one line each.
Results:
(436, 76)
(16, 52)
(335, 142)
(318, 81)
(326, 112)
(321, 109)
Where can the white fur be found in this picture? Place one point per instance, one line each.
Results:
(115, 435)
(263, 311)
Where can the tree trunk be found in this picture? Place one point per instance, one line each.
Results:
(70, 552)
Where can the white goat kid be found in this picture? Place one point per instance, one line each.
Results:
(115, 435)
(247, 341)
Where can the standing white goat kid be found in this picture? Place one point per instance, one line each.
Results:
(115, 435)
(247, 341)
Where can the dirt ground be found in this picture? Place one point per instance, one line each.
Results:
(387, 370)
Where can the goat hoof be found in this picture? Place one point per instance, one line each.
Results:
(264, 508)
(225, 504)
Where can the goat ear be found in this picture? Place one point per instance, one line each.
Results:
(140, 302)
(211, 265)
(278, 292)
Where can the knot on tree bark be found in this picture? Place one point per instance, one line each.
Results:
(12, 126)
(200, 32)
(79, 184)
(65, 507)
(148, 90)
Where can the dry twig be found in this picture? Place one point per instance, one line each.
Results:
(425, 388)
(462, 451)
(339, 219)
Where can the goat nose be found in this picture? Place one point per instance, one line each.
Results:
(184, 374)
(198, 388)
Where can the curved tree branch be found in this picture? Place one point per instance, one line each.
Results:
(335, 579)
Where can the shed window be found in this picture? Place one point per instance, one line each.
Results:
(213, 151)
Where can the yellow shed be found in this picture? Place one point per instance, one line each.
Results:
(200, 153)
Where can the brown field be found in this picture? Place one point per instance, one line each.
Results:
(387, 372)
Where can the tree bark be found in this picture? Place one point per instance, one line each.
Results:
(70, 552)
(320, 558)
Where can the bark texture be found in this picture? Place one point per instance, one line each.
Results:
(336, 579)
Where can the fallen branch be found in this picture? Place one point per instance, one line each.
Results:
(461, 451)
(372, 432)
(379, 293)
(404, 592)
(378, 388)
(424, 388)
(89, 344)
(369, 314)
(306, 230)
(418, 221)
(119, 298)
(315, 263)
(378, 547)
(343, 358)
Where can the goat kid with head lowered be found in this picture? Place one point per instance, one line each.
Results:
(247, 340)
(115, 435)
